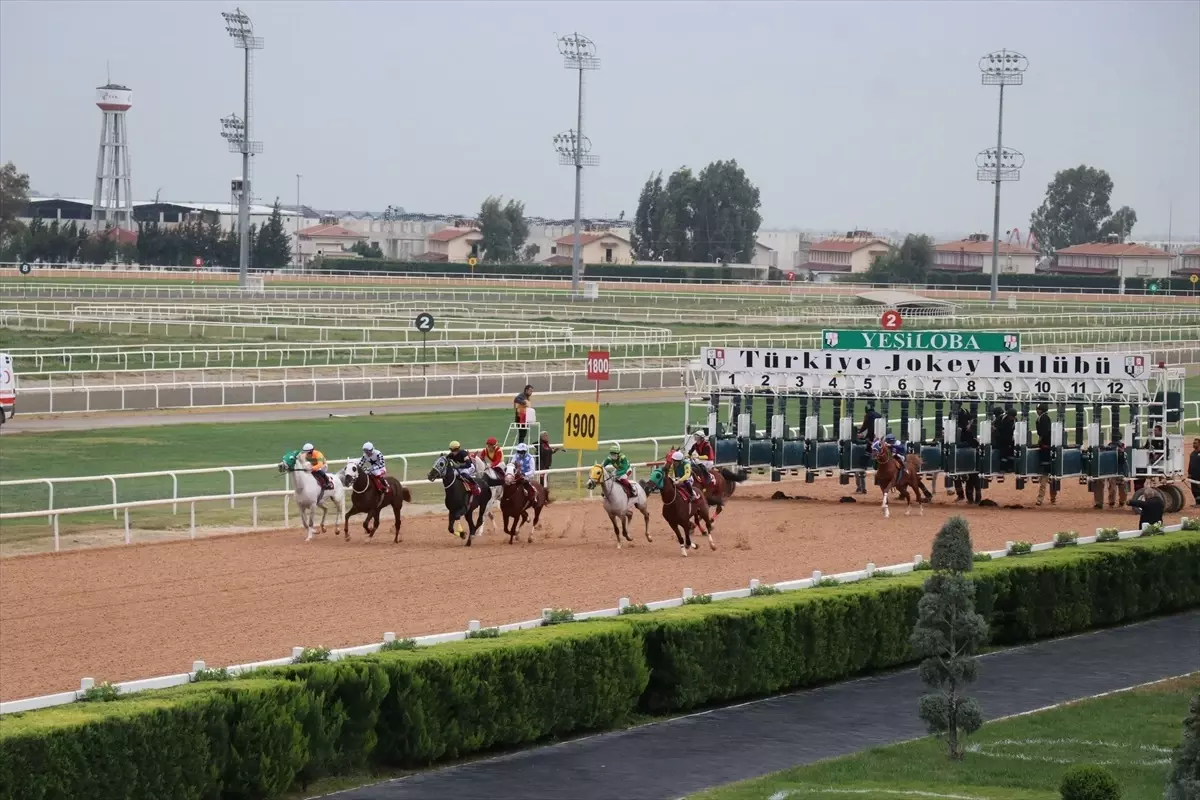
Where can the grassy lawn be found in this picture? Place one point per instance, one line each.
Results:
(1131, 733)
(144, 449)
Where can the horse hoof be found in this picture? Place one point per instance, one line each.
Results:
(695, 546)
(712, 545)
(907, 512)
(684, 551)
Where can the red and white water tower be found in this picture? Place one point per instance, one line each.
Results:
(112, 202)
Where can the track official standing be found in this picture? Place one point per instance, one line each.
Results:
(521, 404)
(1044, 455)
(545, 456)
(1194, 471)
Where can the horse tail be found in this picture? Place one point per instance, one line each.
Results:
(734, 477)
(548, 500)
(406, 494)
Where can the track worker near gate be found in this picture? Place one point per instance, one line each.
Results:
(966, 436)
(1042, 425)
(545, 458)
(372, 463)
(521, 405)
(1149, 505)
(1116, 486)
(1194, 471)
(316, 460)
(1004, 426)
(867, 434)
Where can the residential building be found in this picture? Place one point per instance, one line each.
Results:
(851, 254)
(455, 245)
(791, 247)
(595, 248)
(974, 254)
(1112, 258)
(1189, 263)
(329, 240)
(764, 256)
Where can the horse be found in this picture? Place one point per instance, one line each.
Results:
(493, 483)
(515, 504)
(309, 495)
(681, 515)
(460, 502)
(617, 503)
(366, 499)
(888, 476)
(721, 483)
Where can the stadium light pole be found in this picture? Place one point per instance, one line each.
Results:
(298, 215)
(1001, 68)
(241, 30)
(579, 53)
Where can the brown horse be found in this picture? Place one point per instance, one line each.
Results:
(681, 514)
(367, 499)
(719, 487)
(888, 476)
(518, 498)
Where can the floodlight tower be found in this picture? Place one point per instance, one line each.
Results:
(1001, 68)
(237, 132)
(579, 53)
(112, 203)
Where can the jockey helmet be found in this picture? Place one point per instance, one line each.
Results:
(522, 447)
(998, 411)
(368, 447)
(308, 448)
(678, 456)
(615, 450)
(491, 442)
(890, 438)
(700, 436)
(454, 446)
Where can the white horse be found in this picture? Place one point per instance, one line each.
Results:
(483, 470)
(618, 504)
(307, 492)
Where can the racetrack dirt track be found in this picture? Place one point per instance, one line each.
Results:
(138, 611)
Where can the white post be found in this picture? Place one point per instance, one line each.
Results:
(917, 559)
(389, 637)
(193, 519)
(546, 613)
(232, 491)
(473, 625)
(197, 666)
(1008, 546)
(254, 512)
(86, 683)
(297, 652)
(113, 481)
(55, 533)
(128, 538)
(687, 593)
(816, 578)
(870, 568)
(754, 584)
(622, 603)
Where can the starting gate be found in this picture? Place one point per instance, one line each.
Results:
(800, 412)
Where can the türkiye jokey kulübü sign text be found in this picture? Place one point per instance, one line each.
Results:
(873, 370)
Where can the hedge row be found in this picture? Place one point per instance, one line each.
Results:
(258, 736)
(592, 272)
(983, 280)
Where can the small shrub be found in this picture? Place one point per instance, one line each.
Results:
(698, 600)
(635, 608)
(1089, 782)
(1108, 535)
(1021, 549)
(880, 573)
(312, 655)
(101, 693)
(764, 589)
(558, 616)
(220, 674)
(1153, 529)
(484, 633)
(825, 582)
(401, 644)
(1192, 524)
(979, 558)
(924, 566)
(1066, 538)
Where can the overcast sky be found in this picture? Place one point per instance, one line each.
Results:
(844, 114)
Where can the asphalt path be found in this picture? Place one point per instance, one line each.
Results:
(677, 757)
(128, 419)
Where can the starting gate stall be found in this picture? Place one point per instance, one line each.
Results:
(774, 409)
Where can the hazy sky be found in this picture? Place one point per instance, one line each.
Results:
(844, 114)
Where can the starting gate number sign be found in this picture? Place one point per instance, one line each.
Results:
(950, 341)
(598, 364)
(1111, 373)
(424, 322)
(581, 425)
(891, 320)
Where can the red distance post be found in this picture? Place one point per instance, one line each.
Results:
(891, 320)
(598, 368)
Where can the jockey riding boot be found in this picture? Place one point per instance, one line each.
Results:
(627, 486)
(323, 479)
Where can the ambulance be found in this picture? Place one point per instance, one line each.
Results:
(8, 388)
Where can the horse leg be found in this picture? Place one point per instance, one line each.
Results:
(612, 518)
(646, 517)
(680, 538)
(346, 523)
(397, 504)
(886, 513)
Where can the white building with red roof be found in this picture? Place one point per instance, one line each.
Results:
(1189, 262)
(455, 245)
(844, 255)
(326, 239)
(1113, 258)
(974, 255)
(603, 247)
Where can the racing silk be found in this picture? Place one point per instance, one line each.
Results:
(703, 451)
(620, 465)
(372, 463)
(491, 458)
(681, 471)
(523, 462)
(896, 447)
(316, 460)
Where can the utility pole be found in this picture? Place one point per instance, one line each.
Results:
(241, 30)
(1001, 68)
(579, 53)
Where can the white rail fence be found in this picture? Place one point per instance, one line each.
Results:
(183, 678)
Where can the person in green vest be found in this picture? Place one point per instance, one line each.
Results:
(621, 468)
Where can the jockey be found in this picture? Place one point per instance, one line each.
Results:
(372, 464)
(896, 448)
(621, 467)
(703, 457)
(460, 462)
(491, 455)
(316, 462)
(522, 461)
(681, 473)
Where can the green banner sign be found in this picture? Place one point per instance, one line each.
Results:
(948, 341)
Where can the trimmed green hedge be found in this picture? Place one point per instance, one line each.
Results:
(592, 272)
(984, 279)
(256, 737)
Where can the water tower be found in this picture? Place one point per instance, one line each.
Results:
(112, 203)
